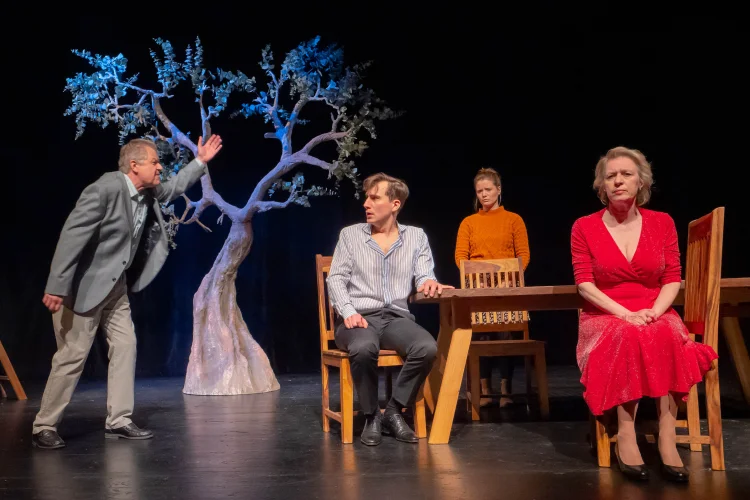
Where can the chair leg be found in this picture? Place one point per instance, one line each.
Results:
(11, 373)
(325, 396)
(467, 370)
(693, 418)
(476, 392)
(713, 408)
(420, 419)
(540, 365)
(527, 360)
(600, 439)
(347, 402)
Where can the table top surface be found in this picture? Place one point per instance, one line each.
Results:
(549, 291)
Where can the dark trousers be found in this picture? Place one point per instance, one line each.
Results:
(386, 329)
(506, 363)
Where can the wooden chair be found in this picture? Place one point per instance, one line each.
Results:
(501, 273)
(335, 357)
(10, 375)
(701, 316)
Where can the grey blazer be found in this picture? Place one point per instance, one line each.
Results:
(95, 243)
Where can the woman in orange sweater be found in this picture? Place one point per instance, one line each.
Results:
(492, 233)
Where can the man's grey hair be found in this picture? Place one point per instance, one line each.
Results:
(136, 149)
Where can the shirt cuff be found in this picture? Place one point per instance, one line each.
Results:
(200, 162)
(347, 310)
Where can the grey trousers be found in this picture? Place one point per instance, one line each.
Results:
(75, 334)
(386, 330)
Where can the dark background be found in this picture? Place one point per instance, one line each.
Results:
(537, 96)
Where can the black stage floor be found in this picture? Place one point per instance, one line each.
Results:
(272, 446)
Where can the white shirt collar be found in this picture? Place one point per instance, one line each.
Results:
(134, 194)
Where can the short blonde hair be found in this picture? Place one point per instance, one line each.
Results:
(644, 173)
(397, 189)
(136, 149)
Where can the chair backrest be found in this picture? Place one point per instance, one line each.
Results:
(325, 309)
(703, 276)
(494, 273)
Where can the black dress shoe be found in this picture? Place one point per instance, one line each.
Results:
(371, 434)
(130, 431)
(675, 474)
(634, 472)
(394, 425)
(47, 440)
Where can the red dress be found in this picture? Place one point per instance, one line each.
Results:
(619, 361)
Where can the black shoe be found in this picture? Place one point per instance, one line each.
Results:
(675, 474)
(394, 425)
(371, 434)
(635, 472)
(130, 431)
(47, 440)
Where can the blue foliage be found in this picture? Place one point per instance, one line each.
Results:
(313, 74)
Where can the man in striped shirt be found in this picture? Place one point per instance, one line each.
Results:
(375, 267)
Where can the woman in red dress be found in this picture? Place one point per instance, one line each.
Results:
(631, 343)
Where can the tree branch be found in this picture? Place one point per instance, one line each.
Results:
(205, 125)
(328, 136)
(273, 112)
(188, 205)
(210, 197)
(316, 162)
(175, 132)
(157, 95)
(294, 117)
(286, 164)
(264, 206)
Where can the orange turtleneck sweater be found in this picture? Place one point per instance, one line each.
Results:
(497, 234)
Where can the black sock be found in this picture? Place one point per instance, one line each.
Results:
(392, 407)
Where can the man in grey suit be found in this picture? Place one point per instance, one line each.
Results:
(103, 238)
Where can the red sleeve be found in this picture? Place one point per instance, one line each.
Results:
(583, 267)
(672, 268)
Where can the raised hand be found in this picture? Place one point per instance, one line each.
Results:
(207, 151)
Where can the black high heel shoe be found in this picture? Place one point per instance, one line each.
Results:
(634, 472)
(674, 474)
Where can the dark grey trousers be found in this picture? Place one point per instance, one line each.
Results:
(386, 329)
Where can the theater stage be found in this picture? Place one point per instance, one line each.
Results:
(272, 446)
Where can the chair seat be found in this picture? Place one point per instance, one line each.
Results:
(338, 353)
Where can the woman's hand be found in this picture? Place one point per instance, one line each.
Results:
(640, 318)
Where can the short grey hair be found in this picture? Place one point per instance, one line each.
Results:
(136, 149)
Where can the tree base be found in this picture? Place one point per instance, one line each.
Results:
(225, 360)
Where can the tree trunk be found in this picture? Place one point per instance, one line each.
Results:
(224, 358)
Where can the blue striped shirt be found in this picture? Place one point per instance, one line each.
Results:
(363, 277)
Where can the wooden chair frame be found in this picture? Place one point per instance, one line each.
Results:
(701, 316)
(332, 357)
(10, 376)
(501, 273)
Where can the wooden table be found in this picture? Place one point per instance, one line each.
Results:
(444, 381)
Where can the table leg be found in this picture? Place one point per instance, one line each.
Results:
(434, 379)
(738, 351)
(451, 383)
